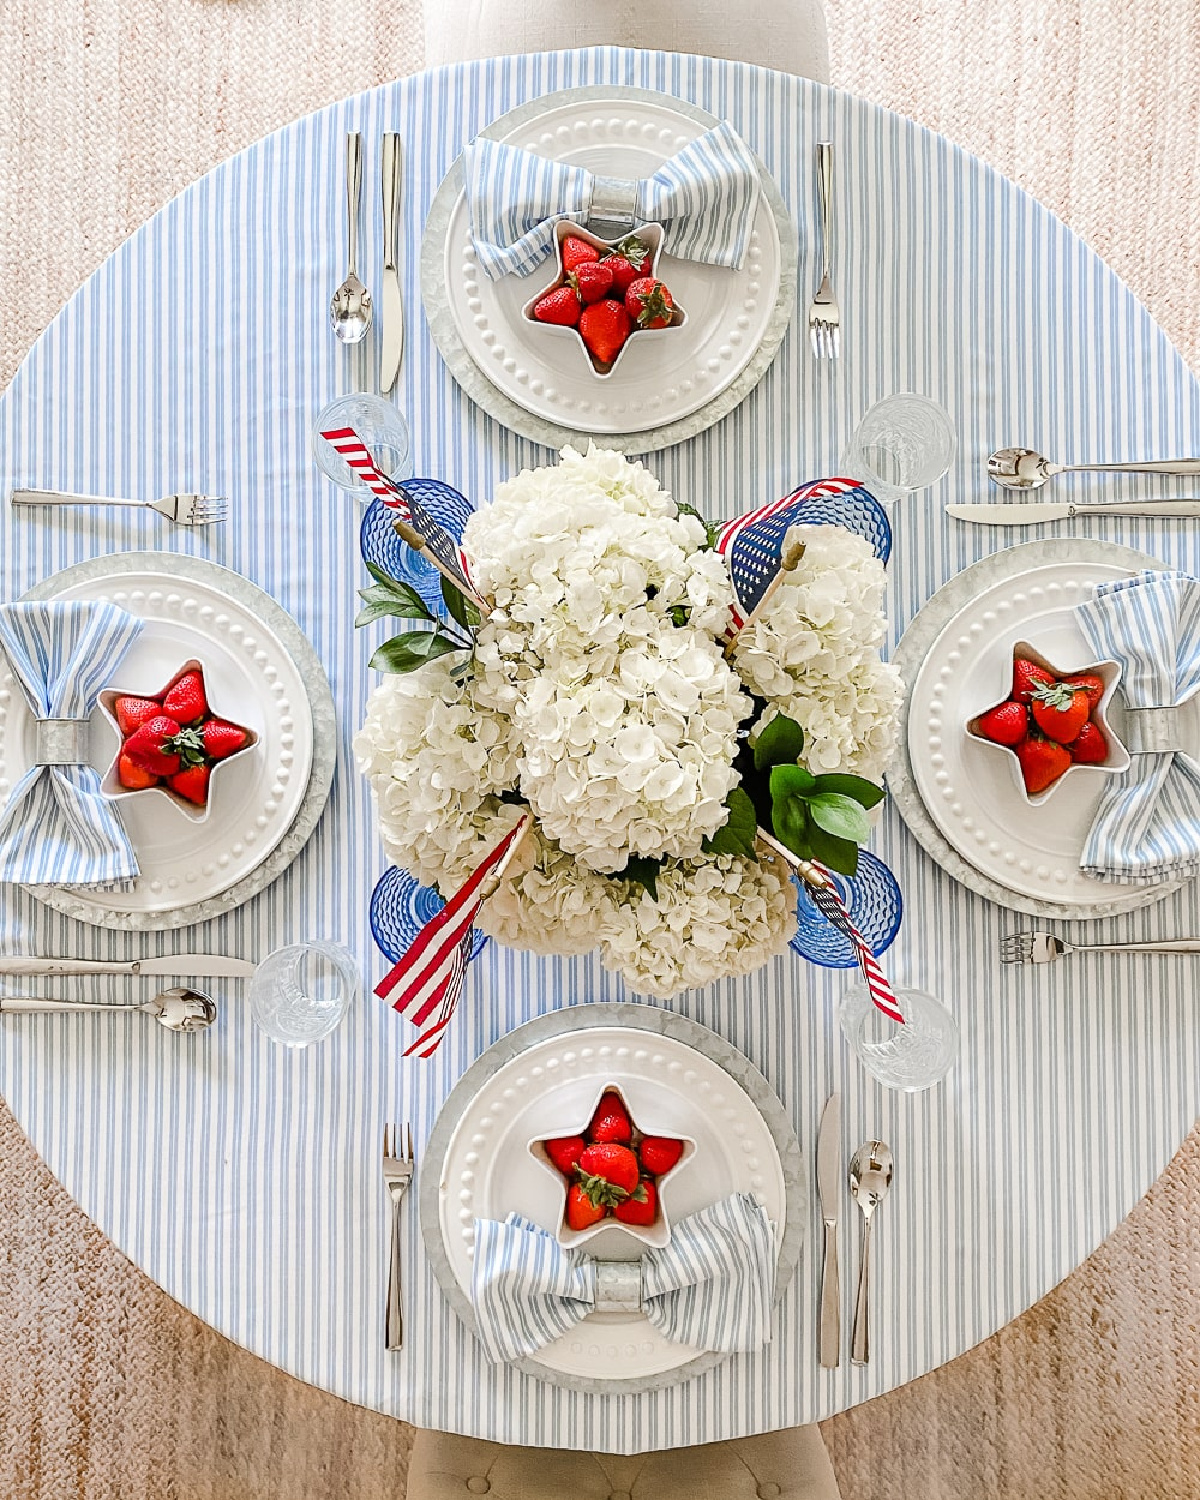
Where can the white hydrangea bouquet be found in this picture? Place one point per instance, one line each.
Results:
(610, 689)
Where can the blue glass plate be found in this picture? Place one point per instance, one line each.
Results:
(381, 546)
(400, 907)
(875, 905)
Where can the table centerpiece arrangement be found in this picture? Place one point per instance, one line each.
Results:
(668, 751)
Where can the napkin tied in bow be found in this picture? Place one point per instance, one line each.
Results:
(705, 194)
(1147, 825)
(57, 827)
(711, 1287)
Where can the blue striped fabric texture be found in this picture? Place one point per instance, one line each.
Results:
(704, 195)
(1147, 826)
(245, 1178)
(57, 826)
(710, 1286)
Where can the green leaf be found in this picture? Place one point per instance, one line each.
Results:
(710, 531)
(790, 824)
(405, 653)
(864, 792)
(790, 780)
(386, 587)
(680, 614)
(782, 740)
(460, 607)
(838, 854)
(380, 609)
(840, 816)
(740, 830)
(642, 870)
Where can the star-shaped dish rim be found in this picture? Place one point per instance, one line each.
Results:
(110, 784)
(655, 1235)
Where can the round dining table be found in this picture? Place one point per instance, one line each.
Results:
(244, 1177)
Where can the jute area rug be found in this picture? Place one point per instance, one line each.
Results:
(110, 107)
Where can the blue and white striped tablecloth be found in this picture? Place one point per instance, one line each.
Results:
(245, 1179)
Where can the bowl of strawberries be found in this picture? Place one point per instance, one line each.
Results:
(1052, 724)
(171, 742)
(612, 1173)
(606, 293)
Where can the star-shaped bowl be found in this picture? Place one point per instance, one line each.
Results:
(655, 1235)
(111, 786)
(652, 236)
(1117, 759)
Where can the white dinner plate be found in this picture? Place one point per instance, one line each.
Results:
(667, 388)
(487, 1170)
(250, 677)
(968, 787)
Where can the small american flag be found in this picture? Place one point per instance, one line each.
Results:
(828, 901)
(752, 545)
(439, 546)
(430, 974)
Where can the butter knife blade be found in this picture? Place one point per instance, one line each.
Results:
(186, 965)
(829, 1187)
(1035, 513)
(392, 303)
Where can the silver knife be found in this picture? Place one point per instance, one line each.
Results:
(829, 1185)
(393, 306)
(187, 965)
(1019, 514)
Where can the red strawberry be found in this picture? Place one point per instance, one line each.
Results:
(560, 306)
(649, 303)
(1091, 747)
(582, 1213)
(1006, 724)
(186, 701)
(641, 1207)
(1090, 684)
(132, 712)
(1027, 677)
(191, 783)
(604, 327)
(577, 252)
(610, 1122)
(132, 776)
(149, 746)
(608, 1173)
(659, 1154)
(629, 260)
(565, 1153)
(1061, 711)
(1042, 762)
(624, 273)
(592, 280)
(221, 739)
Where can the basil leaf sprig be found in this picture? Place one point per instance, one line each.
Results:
(389, 598)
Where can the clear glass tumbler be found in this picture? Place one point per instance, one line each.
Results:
(911, 1057)
(904, 443)
(382, 428)
(299, 994)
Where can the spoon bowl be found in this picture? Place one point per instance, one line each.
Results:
(350, 311)
(1019, 469)
(182, 1010)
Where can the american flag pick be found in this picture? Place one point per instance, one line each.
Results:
(429, 976)
(415, 524)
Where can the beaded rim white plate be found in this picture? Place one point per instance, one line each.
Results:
(272, 805)
(477, 1163)
(719, 356)
(966, 791)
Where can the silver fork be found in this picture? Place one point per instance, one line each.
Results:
(187, 510)
(1044, 947)
(824, 315)
(397, 1174)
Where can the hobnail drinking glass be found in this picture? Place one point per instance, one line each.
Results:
(299, 994)
(383, 429)
(904, 443)
(910, 1057)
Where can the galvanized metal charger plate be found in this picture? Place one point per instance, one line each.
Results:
(324, 753)
(494, 401)
(923, 630)
(584, 1018)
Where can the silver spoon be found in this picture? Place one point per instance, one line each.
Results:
(176, 1009)
(350, 306)
(870, 1178)
(1024, 469)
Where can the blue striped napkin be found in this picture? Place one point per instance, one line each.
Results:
(1147, 826)
(705, 196)
(712, 1286)
(57, 827)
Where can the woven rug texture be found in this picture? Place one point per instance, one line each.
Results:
(111, 1389)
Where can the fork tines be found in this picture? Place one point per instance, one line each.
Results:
(826, 340)
(1016, 948)
(194, 510)
(397, 1147)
